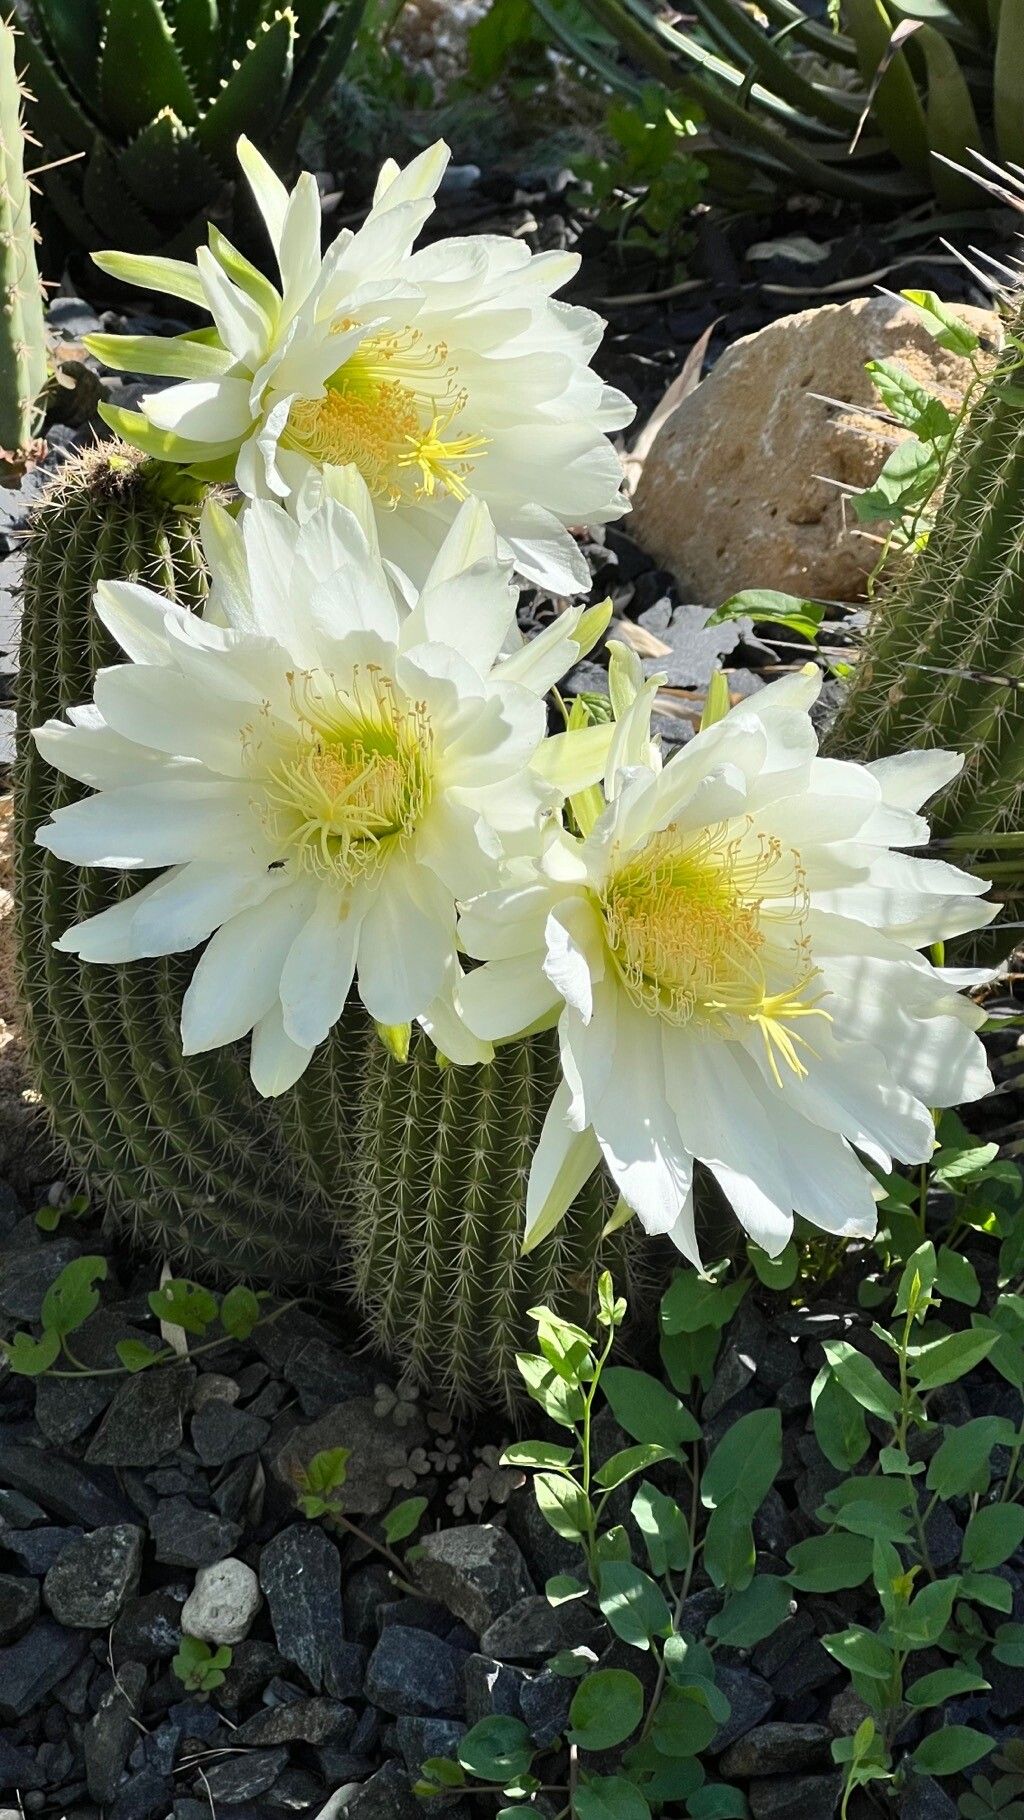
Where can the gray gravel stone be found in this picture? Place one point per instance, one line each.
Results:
(19, 1606)
(491, 1687)
(298, 1722)
(221, 1433)
(414, 1672)
(796, 1797)
(63, 1488)
(31, 1668)
(88, 1586)
(926, 1799)
(145, 1419)
(477, 1571)
(149, 1628)
(750, 1699)
(36, 1550)
(111, 1731)
(777, 1750)
(27, 1274)
(378, 1450)
(186, 1537)
(532, 1629)
(244, 1777)
(223, 1603)
(300, 1573)
(544, 1703)
(386, 1796)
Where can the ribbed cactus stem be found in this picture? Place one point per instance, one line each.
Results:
(943, 664)
(180, 1146)
(23, 364)
(442, 1164)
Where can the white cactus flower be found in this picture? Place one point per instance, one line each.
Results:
(322, 765)
(731, 956)
(439, 374)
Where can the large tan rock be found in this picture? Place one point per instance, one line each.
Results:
(736, 492)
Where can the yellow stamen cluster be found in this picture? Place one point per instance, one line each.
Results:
(360, 782)
(710, 928)
(387, 410)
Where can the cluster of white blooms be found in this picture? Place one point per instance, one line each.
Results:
(341, 777)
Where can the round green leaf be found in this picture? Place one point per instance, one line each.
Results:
(497, 1750)
(606, 1709)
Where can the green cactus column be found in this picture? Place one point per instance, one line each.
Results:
(442, 1163)
(183, 1148)
(23, 365)
(943, 664)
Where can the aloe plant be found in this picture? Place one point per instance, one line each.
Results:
(146, 99)
(856, 113)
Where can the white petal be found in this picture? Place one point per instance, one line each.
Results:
(506, 997)
(238, 975)
(160, 824)
(563, 1163)
(276, 1063)
(319, 966)
(202, 410)
(405, 944)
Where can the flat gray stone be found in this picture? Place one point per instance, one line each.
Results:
(300, 1573)
(145, 1421)
(90, 1584)
(477, 1571)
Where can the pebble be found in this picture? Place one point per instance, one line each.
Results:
(149, 1628)
(385, 1796)
(223, 1603)
(37, 1549)
(544, 1702)
(477, 1571)
(926, 1799)
(492, 1688)
(533, 1629)
(90, 1583)
(62, 1487)
(414, 1672)
(379, 1449)
(750, 1700)
(302, 1721)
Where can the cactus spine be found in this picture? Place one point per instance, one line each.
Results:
(405, 1180)
(181, 1147)
(443, 1156)
(944, 661)
(23, 363)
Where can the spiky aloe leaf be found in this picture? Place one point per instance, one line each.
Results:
(74, 29)
(197, 30)
(166, 163)
(254, 94)
(950, 117)
(57, 119)
(323, 58)
(141, 71)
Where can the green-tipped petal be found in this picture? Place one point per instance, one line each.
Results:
(152, 272)
(170, 356)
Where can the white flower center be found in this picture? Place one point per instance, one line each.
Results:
(710, 928)
(360, 782)
(390, 411)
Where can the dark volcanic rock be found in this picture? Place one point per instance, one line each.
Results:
(420, 1738)
(221, 1433)
(544, 1703)
(491, 1687)
(300, 1573)
(244, 1777)
(796, 1797)
(62, 1488)
(66, 1407)
(31, 1668)
(149, 1628)
(92, 1580)
(478, 1572)
(414, 1672)
(750, 1699)
(111, 1731)
(298, 1722)
(777, 1750)
(386, 1796)
(145, 1419)
(145, 1796)
(926, 1799)
(186, 1537)
(36, 1550)
(26, 1275)
(19, 1606)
